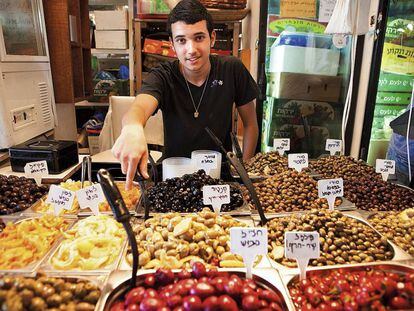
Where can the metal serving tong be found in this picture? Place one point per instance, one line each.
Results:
(86, 167)
(242, 173)
(141, 183)
(237, 149)
(121, 214)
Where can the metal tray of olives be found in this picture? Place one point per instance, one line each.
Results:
(118, 282)
(48, 267)
(397, 253)
(31, 268)
(345, 205)
(125, 265)
(55, 281)
(243, 210)
(256, 177)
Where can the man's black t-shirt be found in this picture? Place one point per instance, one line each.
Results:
(229, 82)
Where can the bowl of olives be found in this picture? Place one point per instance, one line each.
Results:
(18, 194)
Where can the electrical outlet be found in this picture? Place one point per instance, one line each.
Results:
(23, 116)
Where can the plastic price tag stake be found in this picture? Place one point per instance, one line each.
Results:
(206, 162)
(331, 189)
(91, 197)
(385, 167)
(302, 246)
(216, 196)
(36, 170)
(60, 198)
(333, 146)
(281, 145)
(298, 161)
(248, 243)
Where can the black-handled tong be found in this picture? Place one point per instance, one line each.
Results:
(121, 214)
(243, 175)
(237, 149)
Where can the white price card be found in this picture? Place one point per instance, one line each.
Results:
(330, 189)
(60, 198)
(36, 170)
(216, 196)
(206, 162)
(385, 167)
(281, 145)
(298, 161)
(302, 245)
(333, 146)
(91, 197)
(248, 243)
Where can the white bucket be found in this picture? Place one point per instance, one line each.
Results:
(176, 167)
(208, 160)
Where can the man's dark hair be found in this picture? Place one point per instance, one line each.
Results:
(189, 12)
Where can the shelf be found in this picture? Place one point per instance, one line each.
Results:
(110, 51)
(85, 103)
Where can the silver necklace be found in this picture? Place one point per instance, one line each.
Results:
(196, 113)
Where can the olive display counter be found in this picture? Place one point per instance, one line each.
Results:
(78, 261)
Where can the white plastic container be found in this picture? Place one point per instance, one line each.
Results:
(299, 59)
(208, 160)
(176, 167)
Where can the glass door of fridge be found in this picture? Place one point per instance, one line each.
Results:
(395, 85)
(22, 31)
(307, 76)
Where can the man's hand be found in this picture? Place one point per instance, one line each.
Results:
(131, 150)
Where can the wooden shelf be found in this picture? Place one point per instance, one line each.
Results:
(109, 51)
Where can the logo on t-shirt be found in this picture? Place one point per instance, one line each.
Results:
(216, 83)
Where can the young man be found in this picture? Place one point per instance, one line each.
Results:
(193, 92)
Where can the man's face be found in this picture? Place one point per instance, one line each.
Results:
(192, 44)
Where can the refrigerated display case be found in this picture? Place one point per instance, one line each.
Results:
(307, 74)
(392, 90)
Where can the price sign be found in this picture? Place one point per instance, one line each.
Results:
(302, 245)
(298, 161)
(91, 197)
(36, 170)
(385, 167)
(331, 189)
(248, 243)
(216, 196)
(60, 198)
(281, 145)
(206, 162)
(333, 146)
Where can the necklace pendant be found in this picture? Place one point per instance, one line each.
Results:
(196, 114)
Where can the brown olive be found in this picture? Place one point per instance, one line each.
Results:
(27, 295)
(92, 297)
(66, 296)
(54, 300)
(38, 304)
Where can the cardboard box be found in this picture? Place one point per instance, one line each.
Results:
(393, 98)
(93, 142)
(162, 47)
(111, 20)
(310, 60)
(389, 82)
(111, 39)
(304, 86)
